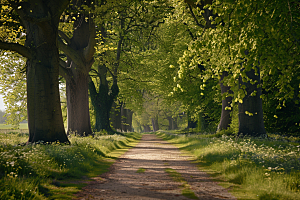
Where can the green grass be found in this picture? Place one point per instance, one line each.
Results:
(21, 126)
(251, 168)
(185, 187)
(49, 171)
(141, 170)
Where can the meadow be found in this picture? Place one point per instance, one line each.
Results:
(7, 128)
(56, 171)
(251, 168)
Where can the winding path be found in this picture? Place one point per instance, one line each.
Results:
(153, 156)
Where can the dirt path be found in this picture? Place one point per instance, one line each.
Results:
(155, 156)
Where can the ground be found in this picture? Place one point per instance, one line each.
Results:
(154, 169)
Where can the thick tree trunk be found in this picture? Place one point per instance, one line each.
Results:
(45, 120)
(226, 103)
(76, 73)
(250, 111)
(78, 105)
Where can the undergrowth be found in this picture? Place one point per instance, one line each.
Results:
(254, 168)
(40, 171)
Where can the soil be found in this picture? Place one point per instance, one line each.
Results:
(154, 155)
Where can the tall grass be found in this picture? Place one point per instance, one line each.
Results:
(255, 168)
(40, 171)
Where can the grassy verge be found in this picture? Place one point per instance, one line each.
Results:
(252, 168)
(56, 171)
(141, 170)
(185, 187)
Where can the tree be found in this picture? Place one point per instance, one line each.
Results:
(122, 35)
(244, 39)
(79, 49)
(40, 20)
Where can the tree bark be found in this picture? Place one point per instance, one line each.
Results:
(78, 105)
(225, 115)
(251, 125)
(79, 50)
(45, 120)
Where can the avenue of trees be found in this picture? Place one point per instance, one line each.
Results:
(112, 65)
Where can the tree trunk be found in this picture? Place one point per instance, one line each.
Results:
(115, 116)
(250, 111)
(226, 103)
(78, 105)
(45, 120)
(76, 73)
(123, 118)
(103, 100)
(129, 120)
(191, 122)
(155, 124)
(170, 127)
(174, 124)
(146, 128)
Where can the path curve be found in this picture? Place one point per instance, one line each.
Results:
(154, 155)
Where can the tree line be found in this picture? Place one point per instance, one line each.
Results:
(219, 63)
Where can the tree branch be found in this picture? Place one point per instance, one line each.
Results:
(90, 49)
(194, 16)
(93, 91)
(22, 50)
(63, 71)
(75, 56)
(64, 36)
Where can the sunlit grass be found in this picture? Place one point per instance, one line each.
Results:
(41, 171)
(185, 187)
(261, 168)
(141, 170)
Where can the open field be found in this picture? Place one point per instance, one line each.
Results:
(8, 127)
(252, 168)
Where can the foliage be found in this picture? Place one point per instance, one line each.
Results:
(41, 171)
(13, 84)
